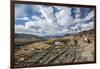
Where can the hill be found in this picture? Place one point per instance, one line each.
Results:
(72, 48)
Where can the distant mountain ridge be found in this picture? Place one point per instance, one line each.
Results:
(31, 36)
(27, 36)
(85, 32)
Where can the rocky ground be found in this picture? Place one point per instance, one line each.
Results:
(74, 48)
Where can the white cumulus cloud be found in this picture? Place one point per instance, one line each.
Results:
(50, 23)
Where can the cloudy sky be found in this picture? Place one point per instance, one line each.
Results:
(45, 20)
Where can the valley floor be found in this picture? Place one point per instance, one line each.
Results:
(46, 52)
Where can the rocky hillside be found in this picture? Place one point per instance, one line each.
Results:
(68, 49)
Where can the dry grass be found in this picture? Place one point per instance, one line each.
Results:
(27, 51)
(84, 50)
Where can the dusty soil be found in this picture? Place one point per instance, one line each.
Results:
(75, 48)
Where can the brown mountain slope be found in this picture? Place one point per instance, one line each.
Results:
(70, 49)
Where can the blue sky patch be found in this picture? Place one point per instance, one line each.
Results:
(45, 20)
